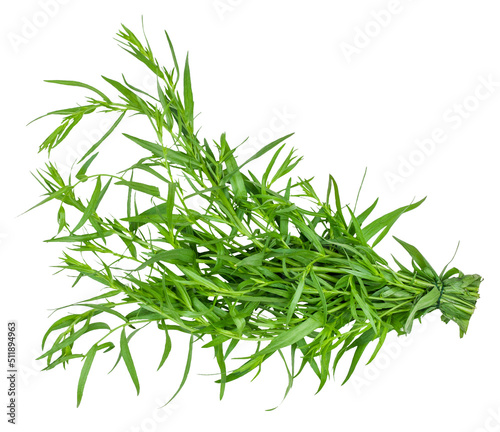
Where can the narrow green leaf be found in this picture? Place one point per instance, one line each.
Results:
(130, 96)
(89, 358)
(186, 370)
(174, 256)
(173, 156)
(168, 346)
(120, 356)
(363, 216)
(338, 204)
(188, 92)
(384, 223)
(81, 174)
(91, 207)
(170, 205)
(293, 335)
(81, 238)
(263, 151)
(79, 84)
(427, 301)
(103, 138)
(51, 196)
(357, 228)
(141, 187)
(63, 359)
(63, 322)
(70, 339)
(317, 285)
(127, 358)
(172, 52)
(418, 258)
(295, 299)
(219, 355)
(355, 360)
(236, 177)
(270, 165)
(61, 219)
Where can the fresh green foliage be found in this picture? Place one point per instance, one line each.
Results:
(256, 263)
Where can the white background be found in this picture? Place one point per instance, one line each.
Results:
(354, 101)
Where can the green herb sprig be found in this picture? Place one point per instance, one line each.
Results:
(278, 266)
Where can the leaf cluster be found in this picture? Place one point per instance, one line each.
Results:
(222, 254)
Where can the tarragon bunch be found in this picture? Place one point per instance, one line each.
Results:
(255, 262)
